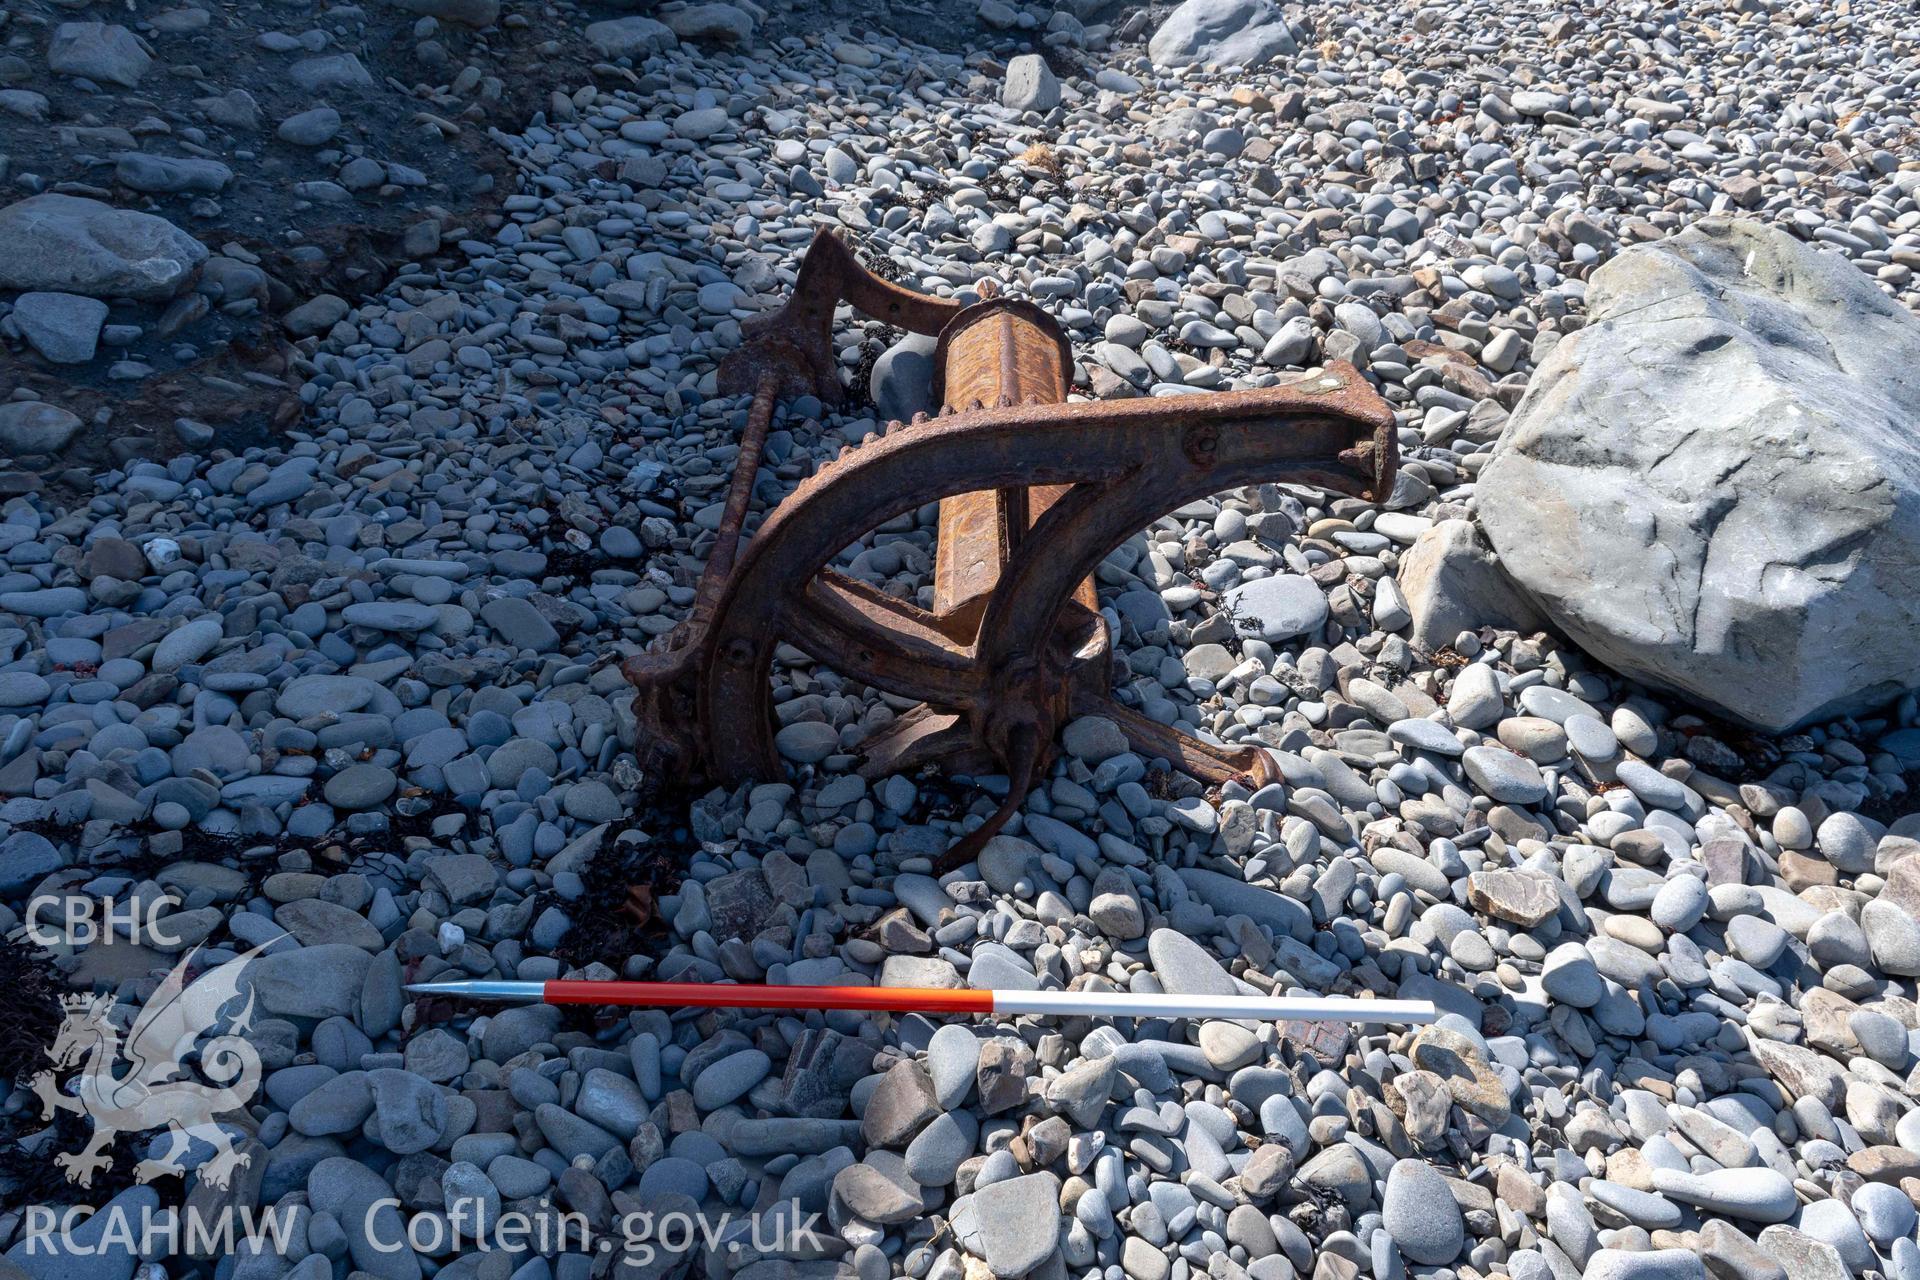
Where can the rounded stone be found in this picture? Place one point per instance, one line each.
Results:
(701, 123)
(901, 384)
(1756, 940)
(807, 741)
(1590, 738)
(1570, 975)
(730, 1078)
(934, 1156)
(1756, 1194)
(35, 427)
(185, 644)
(1881, 1037)
(953, 1057)
(360, 786)
(1277, 608)
(1791, 829)
(1846, 841)
(1093, 739)
(1504, 776)
(23, 689)
(513, 758)
(309, 128)
(1425, 735)
(1680, 903)
(1654, 788)
(1420, 1213)
(1553, 704)
(1885, 1214)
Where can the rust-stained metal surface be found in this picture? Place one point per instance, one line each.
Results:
(1034, 492)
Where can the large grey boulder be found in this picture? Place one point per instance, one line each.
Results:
(630, 36)
(171, 174)
(69, 244)
(468, 13)
(98, 51)
(1228, 33)
(33, 426)
(718, 23)
(1715, 486)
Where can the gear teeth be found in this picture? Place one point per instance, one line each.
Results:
(919, 417)
(1005, 401)
(889, 428)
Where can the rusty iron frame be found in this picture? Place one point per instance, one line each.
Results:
(1034, 493)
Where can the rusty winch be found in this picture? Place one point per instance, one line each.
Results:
(1034, 492)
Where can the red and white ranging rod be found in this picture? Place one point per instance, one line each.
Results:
(1092, 1004)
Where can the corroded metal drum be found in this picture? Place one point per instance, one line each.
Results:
(998, 353)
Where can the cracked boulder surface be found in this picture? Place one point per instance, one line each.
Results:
(1720, 476)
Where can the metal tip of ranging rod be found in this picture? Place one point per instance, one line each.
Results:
(482, 989)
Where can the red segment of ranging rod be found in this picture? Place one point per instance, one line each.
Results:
(722, 995)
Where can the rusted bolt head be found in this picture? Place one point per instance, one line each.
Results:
(1201, 441)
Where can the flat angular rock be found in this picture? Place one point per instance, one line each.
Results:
(63, 327)
(1030, 85)
(1731, 1255)
(330, 71)
(900, 1107)
(1452, 583)
(410, 1112)
(1018, 1222)
(1517, 896)
(1005, 1067)
(316, 922)
(1803, 1257)
(870, 1194)
(1458, 1061)
(953, 1056)
(309, 982)
(1184, 967)
(1338, 1170)
(1802, 1072)
(1081, 1093)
